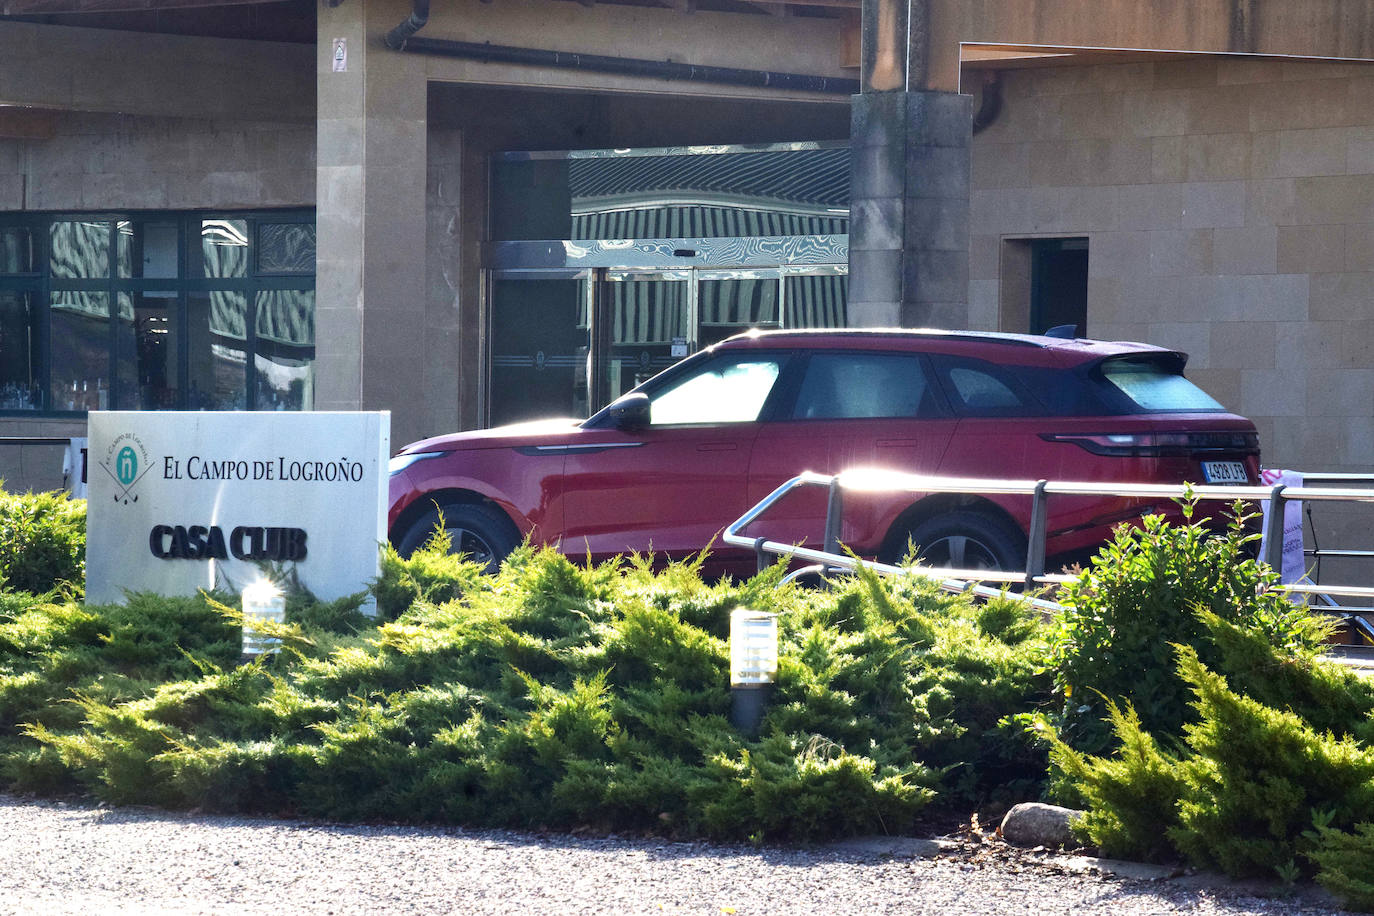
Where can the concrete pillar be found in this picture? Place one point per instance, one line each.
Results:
(371, 221)
(909, 180)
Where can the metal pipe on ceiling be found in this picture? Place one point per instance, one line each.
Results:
(402, 38)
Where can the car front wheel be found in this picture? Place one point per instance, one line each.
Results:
(482, 534)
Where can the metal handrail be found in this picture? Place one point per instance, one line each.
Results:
(1040, 491)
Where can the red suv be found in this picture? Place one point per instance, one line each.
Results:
(667, 466)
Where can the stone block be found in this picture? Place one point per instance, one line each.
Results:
(1091, 162)
(877, 171)
(984, 257)
(876, 223)
(875, 276)
(1300, 104)
(1342, 297)
(1242, 344)
(1359, 150)
(1337, 199)
(1232, 71)
(1180, 252)
(1340, 392)
(1093, 115)
(999, 212)
(939, 119)
(1222, 384)
(1213, 204)
(926, 314)
(1320, 151)
(1117, 254)
(1168, 159)
(1272, 393)
(339, 142)
(937, 171)
(1148, 206)
(877, 119)
(1218, 157)
(1000, 165)
(1155, 114)
(984, 304)
(1310, 249)
(1245, 250)
(1271, 202)
(1182, 74)
(935, 276)
(935, 224)
(1220, 109)
(1359, 248)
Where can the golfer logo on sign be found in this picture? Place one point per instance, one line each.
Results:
(126, 461)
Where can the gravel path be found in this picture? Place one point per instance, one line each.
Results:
(79, 858)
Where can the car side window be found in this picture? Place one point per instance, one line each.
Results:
(723, 391)
(980, 389)
(852, 386)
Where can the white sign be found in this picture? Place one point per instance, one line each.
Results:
(340, 55)
(183, 501)
(1294, 564)
(74, 468)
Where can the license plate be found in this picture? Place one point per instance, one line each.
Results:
(1224, 472)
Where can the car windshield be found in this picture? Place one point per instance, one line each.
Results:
(1153, 386)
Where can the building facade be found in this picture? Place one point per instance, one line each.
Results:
(481, 211)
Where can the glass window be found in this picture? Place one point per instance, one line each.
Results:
(80, 351)
(224, 248)
(1152, 386)
(147, 249)
(724, 391)
(981, 389)
(218, 350)
(19, 388)
(864, 386)
(17, 250)
(147, 351)
(102, 313)
(284, 357)
(80, 250)
(286, 248)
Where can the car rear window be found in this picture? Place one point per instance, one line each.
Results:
(1152, 385)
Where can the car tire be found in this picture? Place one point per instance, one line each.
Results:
(484, 534)
(965, 539)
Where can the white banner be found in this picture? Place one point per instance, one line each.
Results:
(74, 468)
(183, 501)
(1294, 567)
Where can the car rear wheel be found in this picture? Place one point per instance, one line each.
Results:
(482, 534)
(966, 539)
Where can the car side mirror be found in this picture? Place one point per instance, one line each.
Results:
(631, 411)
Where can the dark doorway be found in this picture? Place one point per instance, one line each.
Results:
(1059, 285)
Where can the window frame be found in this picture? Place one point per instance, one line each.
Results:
(42, 285)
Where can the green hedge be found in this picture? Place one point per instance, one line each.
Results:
(552, 695)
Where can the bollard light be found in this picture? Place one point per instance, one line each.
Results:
(261, 601)
(753, 666)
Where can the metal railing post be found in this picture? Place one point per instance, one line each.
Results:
(834, 514)
(1273, 529)
(1035, 542)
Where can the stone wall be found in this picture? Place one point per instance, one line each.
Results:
(1229, 207)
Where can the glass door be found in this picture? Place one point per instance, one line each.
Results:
(652, 324)
(540, 344)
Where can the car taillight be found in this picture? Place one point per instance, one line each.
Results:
(1161, 444)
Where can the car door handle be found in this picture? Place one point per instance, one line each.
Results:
(717, 447)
